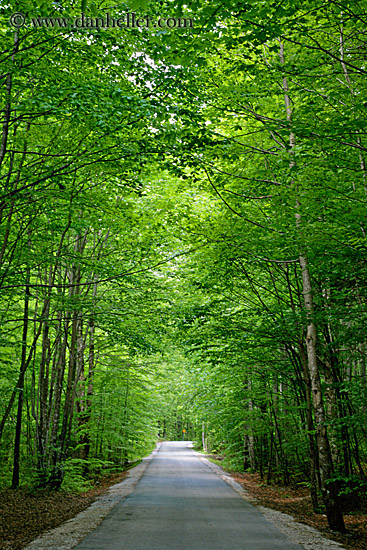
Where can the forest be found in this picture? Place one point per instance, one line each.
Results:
(183, 239)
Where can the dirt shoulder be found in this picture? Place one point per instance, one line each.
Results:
(297, 503)
(25, 514)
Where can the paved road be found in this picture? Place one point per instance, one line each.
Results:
(180, 504)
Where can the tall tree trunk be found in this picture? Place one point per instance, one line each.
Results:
(125, 417)
(38, 332)
(56, 476)
(328, 489)
(61, 449)
(250, 435)
(85, 420)
(43, 383)
(305, 377)
(203, 437)
(313, 456)
(18, 428)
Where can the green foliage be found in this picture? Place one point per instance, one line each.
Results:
(157, 197)
(74, 480)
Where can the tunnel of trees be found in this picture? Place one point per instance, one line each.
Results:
(183, 240)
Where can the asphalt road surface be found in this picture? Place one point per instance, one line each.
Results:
(180, 504)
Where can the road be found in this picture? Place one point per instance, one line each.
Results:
(180, 504)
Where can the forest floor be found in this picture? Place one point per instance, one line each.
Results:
(26, 514)
(296, 502)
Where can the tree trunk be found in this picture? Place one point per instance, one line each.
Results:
(328, 489)
(251, 439)
(314, 467)
(85, 420)
(37, 333)
(56, 476)
(16, 460)
(203, 437)
(43, 383)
